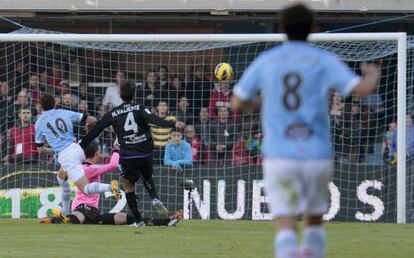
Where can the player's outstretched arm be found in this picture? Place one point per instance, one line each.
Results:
(238, 105)
(370, 78)
(155, 120)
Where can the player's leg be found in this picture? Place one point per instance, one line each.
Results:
(129, 176)
(132, 201)
(71, 160)
(283, 191)
(317, 174)
(119, 218)
(65, 194)
(148, 181)
(77, 175)
(171, 221)
(77, 217)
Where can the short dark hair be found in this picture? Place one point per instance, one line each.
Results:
(91, 149)
(47, 101)
(297, 21)
(127, 91)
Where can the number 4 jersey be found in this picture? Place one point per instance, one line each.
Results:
(130, 123)
(294, 80)
(55, 126)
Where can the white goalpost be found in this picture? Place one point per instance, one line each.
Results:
(363, 176)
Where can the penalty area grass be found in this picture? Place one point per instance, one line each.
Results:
(192, 239)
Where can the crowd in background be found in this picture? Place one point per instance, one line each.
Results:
(358, 126)
(216, 135)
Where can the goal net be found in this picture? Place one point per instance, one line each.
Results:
(176, 80)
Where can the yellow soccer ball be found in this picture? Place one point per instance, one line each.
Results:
(223, 71)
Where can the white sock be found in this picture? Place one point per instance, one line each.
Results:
(285, 244)
(92, 188)
(65, 195)
(314, 242)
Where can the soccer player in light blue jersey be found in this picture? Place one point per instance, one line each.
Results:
(55, 127)
(294, 80)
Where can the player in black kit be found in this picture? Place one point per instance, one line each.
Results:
(130, 123)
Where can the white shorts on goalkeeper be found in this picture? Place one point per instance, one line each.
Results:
(71, 160)
(296, 187)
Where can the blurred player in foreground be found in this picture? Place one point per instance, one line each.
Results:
(294, 80)
(85, 207)
(55, 127)
(130, 122)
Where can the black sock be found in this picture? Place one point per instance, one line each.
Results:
(150, 186)
(130, 219)
(158, 222)
(73, 219)
(133, 205)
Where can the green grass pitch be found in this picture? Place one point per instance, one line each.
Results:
(192, 239)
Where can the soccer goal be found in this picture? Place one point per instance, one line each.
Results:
(174, 76)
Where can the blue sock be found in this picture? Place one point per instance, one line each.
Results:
(314, 242)
(65, 195)
(285, 244)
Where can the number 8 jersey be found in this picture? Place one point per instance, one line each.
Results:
(130, 123)
(294, 80)
(55, 126)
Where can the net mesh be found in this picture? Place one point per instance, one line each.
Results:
(176, 80)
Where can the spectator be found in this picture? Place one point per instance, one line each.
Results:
(254, 144)
(150, 92)
(163, 77)
(83, 107)
(354, 134)
(194, 142)
(202, 129)
(240, 152)
(6, 101)
(222, 136)
(112, 96)
(161, 136)
(182, 113)
(178, 153)
(220, 97)
(337, 113)
(22, 145)
(67, 102)
(66, 89)
(38, 109)
(198, 89)
(21, 100)
(409, 139)
(76, 70)
(84, 94)
(18, 77)
(58, 102)
(388, 141)
(55, 79)
(43, 83)
(34, 89)
(174, 91)
(5, 93)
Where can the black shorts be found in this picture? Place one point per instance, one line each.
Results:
(92, 214)
(132, 169)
